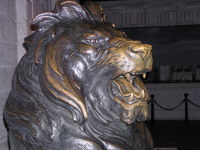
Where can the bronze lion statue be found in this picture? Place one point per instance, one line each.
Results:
(78, 85)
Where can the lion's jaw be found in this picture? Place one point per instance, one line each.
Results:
(127, 88)
(132, 99)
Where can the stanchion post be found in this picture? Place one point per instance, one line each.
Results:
(186, 108)
(152, 109)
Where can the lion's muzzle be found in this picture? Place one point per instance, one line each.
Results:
(132, 60)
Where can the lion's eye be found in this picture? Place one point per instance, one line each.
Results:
(103, 39)
(97, 40)
(92, 40)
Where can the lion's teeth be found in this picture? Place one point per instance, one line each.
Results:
(128, 77)
(144, 75)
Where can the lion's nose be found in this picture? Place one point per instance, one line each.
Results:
(148, 57)
(145, 51)
(149, 63)
(142, 49)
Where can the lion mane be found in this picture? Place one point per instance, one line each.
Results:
(73, 88)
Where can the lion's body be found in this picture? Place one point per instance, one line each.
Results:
(62, 95)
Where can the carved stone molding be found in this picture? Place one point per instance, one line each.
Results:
(145, 13)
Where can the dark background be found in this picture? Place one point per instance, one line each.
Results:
(171, 45)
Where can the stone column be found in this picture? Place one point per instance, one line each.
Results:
(15, 20)
(24, 13)
(8, 59)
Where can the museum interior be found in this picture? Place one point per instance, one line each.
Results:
(171, 27)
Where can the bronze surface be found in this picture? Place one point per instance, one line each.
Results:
(78, 86)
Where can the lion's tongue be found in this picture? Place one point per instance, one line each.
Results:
(130, 91)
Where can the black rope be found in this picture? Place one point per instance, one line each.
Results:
(183, 101)
(169, 108)
(193, 103)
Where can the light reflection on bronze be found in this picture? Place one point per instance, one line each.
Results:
(78, 86)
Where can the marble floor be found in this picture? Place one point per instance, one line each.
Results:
(176, 134)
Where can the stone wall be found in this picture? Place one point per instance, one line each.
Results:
(8, 59)
(15, 20)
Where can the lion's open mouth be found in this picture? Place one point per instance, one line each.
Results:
(131, 94)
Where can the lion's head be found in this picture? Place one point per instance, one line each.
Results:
(88, 64)
(78, 80)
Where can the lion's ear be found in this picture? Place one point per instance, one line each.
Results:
(66, 11)
(70, 10)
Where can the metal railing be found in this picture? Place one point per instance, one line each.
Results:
(185, 101)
